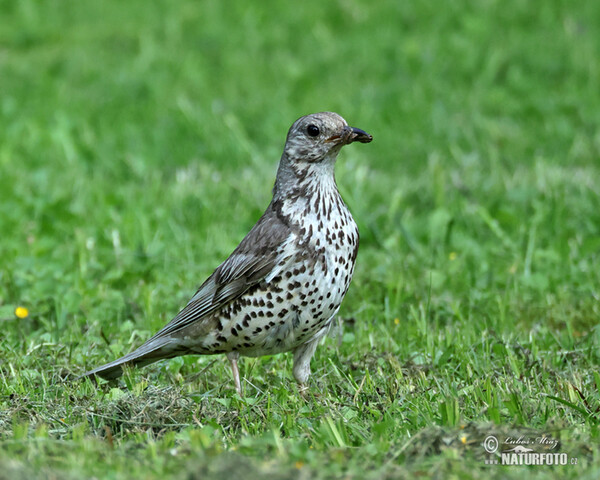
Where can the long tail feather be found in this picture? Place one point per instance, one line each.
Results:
(152, 351)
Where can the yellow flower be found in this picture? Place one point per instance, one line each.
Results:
(299, 464)
(452, 256)
(21, 312)
(397, 321)
(463, 439)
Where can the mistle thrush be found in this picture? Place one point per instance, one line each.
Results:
(281, 287)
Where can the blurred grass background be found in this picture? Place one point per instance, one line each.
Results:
(138, 145)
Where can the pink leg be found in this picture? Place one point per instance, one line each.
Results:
(233, 358)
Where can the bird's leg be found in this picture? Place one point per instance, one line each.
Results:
(233, 358)
(302, 356)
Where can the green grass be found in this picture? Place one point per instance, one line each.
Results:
(138, 145)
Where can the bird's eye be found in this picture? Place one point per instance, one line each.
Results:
(312, 130)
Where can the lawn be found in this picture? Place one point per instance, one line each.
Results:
(138, 145)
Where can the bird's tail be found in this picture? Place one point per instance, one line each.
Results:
(153, 350)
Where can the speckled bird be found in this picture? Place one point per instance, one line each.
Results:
(282, 286)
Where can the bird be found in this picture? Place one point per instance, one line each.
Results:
(281, 287)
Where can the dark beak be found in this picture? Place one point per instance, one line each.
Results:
(358, 135)
(349, 135)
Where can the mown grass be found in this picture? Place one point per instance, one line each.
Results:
(138, 145)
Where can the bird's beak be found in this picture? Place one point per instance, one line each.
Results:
(358, 135)
(349, 135)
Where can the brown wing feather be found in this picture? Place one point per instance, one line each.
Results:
(252, 261)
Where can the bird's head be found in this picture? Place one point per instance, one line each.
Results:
(319, 136)
(312, 145)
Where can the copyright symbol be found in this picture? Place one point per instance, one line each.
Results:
(490, 444)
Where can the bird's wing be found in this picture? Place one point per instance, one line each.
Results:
(255, 259)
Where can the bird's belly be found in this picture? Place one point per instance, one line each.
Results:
(305, 313)
(297, 303)
(294, 308)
